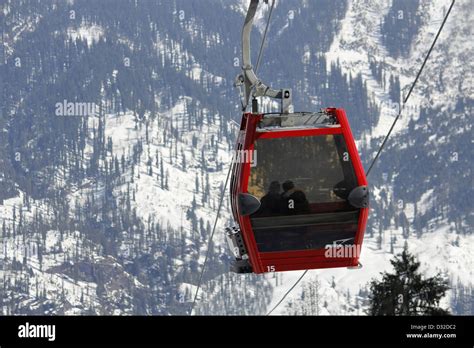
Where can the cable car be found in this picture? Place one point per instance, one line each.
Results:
(299, 193)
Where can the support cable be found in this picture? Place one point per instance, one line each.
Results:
(211, 236)
(260, 53)
(409, 92)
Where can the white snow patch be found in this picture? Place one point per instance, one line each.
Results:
(90, 33)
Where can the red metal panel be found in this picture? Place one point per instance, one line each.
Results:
(316, 254)
(294, 266)
(360, 173)
(244, 221)
(307, 259)
(351, 147)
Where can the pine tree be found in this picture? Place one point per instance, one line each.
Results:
(406, 292)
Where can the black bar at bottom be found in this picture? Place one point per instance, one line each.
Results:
(449, 330)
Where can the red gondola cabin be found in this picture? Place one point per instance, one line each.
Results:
(298, 193)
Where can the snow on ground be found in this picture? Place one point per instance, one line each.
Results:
(168, 206)
(359, 41)
(450, 57)
(17, 205)
(90, 33)
(42, 274)
(198, 74)
(181, 58)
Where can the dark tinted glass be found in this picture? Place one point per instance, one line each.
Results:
(302, 183)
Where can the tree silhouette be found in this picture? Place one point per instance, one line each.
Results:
(406, 292)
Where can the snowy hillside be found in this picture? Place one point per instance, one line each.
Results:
(111, 214)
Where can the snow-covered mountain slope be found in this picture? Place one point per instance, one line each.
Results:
(359, 43)
(112, 214)
(181, 161)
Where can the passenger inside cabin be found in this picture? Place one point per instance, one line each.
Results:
(293, 200)
(270, 204)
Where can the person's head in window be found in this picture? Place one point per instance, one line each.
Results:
(274, 187)
(288, 185)
(294, 199)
